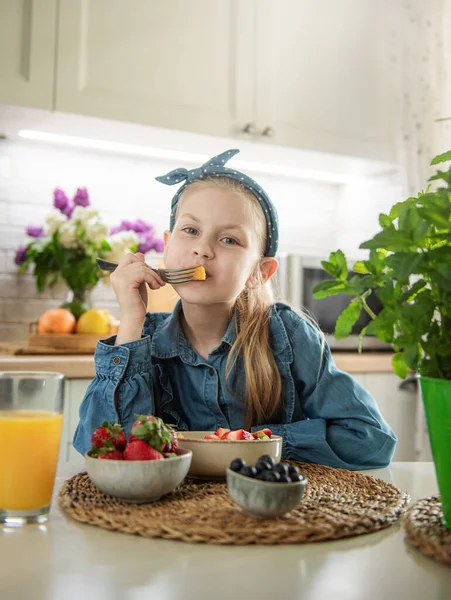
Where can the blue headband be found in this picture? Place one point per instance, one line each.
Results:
(215, 167)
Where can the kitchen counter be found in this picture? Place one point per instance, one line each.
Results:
(66, 559)
(82, 366)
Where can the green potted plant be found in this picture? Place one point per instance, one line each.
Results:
(409, 270)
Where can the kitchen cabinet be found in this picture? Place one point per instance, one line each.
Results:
(176, 64)
(292, 73)
(27, 50)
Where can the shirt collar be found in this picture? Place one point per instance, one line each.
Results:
(169, 340)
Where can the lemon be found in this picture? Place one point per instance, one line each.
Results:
(95, 320)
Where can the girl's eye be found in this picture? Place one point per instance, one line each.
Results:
(190, 230)
(229, 240)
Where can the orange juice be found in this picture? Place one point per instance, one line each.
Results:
(29, 445)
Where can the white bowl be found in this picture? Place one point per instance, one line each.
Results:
(211, 458)
(139, 481)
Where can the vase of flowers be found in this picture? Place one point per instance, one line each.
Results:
(66, 247)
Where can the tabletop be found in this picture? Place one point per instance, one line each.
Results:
(68, 560)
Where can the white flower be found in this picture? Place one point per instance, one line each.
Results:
(68, 236)
(54, 221)
(121, 243)
(96, 231)
(83, 214)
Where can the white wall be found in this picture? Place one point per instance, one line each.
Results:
(122, 187)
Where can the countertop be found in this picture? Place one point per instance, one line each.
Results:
(66, 559)
(82, 366)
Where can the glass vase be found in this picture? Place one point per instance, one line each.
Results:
(78, 301)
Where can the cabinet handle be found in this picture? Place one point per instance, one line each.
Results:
(249, 128)
(267, 132)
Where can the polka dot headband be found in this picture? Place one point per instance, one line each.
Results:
(215, 167)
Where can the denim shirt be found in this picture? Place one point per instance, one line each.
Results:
(326, 417)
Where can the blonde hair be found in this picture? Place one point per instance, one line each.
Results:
(252, 312)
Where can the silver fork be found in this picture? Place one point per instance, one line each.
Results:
(172, 276)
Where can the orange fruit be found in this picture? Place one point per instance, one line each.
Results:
(56, 320)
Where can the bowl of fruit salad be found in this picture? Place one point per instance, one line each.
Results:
(141, 469)
(265, 489)
(214, 450)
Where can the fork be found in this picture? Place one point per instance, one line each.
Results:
(172, 276)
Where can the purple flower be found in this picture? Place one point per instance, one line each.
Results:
(21, 255)
(36, 232)
(140, 226)
(81, 197)
(124, 226)
(60, 200)
(149, 242)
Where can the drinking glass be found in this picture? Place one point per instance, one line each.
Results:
(31, 418)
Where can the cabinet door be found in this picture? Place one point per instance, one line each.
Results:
(176, 64)
(27, 51)
(322, 75)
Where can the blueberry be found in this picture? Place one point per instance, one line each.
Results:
(296, 477)
(263, 465)
(237, 464)
(284, 479)
(267, 458)
(281, 468)
(293, 470)
(248, 471)
(272, 476)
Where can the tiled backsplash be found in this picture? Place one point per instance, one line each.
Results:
(125, 188)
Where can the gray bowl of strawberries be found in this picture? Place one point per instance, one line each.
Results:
(149, 466)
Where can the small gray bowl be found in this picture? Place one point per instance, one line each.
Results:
(264, 499)
(139, 481)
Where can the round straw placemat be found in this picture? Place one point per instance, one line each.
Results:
(426, 531)
(337, 504)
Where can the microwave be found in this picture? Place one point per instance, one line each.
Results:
(297, 276)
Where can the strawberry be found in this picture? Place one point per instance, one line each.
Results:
(257, 434)
(139, 450)
(154, 432)
(239, 434)
(106, 454)
(211, 436)
(221, 431)
(109, 432)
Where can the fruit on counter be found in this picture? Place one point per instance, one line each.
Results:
(56, 320)
(95, 320)
(265, 469)
(109, 432)
(140, 450)
(238, 434)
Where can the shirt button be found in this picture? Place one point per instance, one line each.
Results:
(211, 372)
(117, 360)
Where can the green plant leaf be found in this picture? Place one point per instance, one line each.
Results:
(347, 320)
(384, 220)
(330, 287)
(336, 265)
(360, 267)
(440, 158)
(405, 264)
(399, 365)
(390, 239)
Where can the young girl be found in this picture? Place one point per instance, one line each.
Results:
(228, 356)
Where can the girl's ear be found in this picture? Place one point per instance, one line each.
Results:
(263, 273)
(166, 236)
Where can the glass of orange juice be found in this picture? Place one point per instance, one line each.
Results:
(31, 418)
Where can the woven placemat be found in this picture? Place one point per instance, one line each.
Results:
(337, 504)
(426, 531)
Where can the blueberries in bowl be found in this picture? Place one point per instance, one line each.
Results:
(266, 469)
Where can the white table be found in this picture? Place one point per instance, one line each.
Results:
(66, 560)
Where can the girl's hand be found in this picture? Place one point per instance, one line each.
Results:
(129, 283)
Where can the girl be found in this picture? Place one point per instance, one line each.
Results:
(228, 356)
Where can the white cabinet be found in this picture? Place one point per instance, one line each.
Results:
(27, 51)
(398, 403)
(176, 64)
(295, 73)
(324, 80)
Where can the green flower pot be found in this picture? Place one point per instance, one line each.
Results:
(437, 404)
